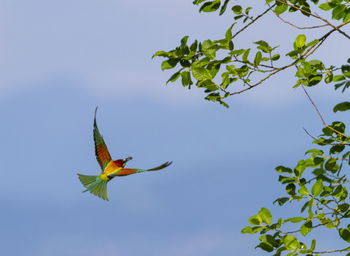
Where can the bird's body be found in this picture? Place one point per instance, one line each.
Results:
(97, 184)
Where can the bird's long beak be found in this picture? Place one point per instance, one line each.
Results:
(128, 158)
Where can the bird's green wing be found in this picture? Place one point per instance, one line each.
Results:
(101, 150)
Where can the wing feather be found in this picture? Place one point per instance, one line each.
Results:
(101, 151)
(162, 166)
(128, 171)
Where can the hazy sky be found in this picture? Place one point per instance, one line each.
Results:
(60, 59)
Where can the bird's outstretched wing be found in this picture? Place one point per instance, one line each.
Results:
(166, 164)
(128, 171)
(101, 150)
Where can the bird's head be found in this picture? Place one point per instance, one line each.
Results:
(122, 162)
(125, 160)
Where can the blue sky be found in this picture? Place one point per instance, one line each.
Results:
(60, 59)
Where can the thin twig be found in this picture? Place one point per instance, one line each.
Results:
(297, 231)
(314, 138)
(315, 107)
(335, 27)
(317, 17)
(305, 55)
(332, 251)
(255, 19)
(262, 80)
(323, 143)
(298, 27)
(320, 115)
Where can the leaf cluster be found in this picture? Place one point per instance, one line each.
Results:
(318, 187)
(223, 68)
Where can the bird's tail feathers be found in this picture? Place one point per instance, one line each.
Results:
(95, 185)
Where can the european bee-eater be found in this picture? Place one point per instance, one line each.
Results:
(97, 184)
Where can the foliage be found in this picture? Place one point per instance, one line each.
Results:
(317, 185)
(223, 69)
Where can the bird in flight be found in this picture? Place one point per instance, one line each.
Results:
(97, 184)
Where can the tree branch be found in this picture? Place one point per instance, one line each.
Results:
(255, 19)
(318, 17)
(332, 251)
(298, 27)
(320, 115)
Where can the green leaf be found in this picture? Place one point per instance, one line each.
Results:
(265, 215)
(251, 230)
(223, 7)
(265, 246)
(315, 152)
(282, 169)
(325, 6)
(317, 188)
(313, 80)
(343, 207)
(345, 234)
(209, 86)
(245, 55)
(291, 242)
(186, 78)
(213, 97)
(210, 6)
(162, 54)
(281, 9)
(312, 43)
(201, 63)
(329, 77)
(303, 190)
(255, 220)
(344, 106)
(318, 171)
(286, 180)
(237, 52)
(339, 126)
(193, 46)
(294, 54)
(281, 201)
(306, 228)
(300, 41)
(275, 57)
(346, 70)
(336, 149)
(196, 2)
(257, 58)
(295, 219)
(290, 189)
(184, 41)
(339, 12)
(169, 64)
(228, 34)
(338, 78)
(208, 50)
(313, 245)
(201, 73)
(264, 46)
(347, 16)
(237, 9)
(331, 165)
(174, 77)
